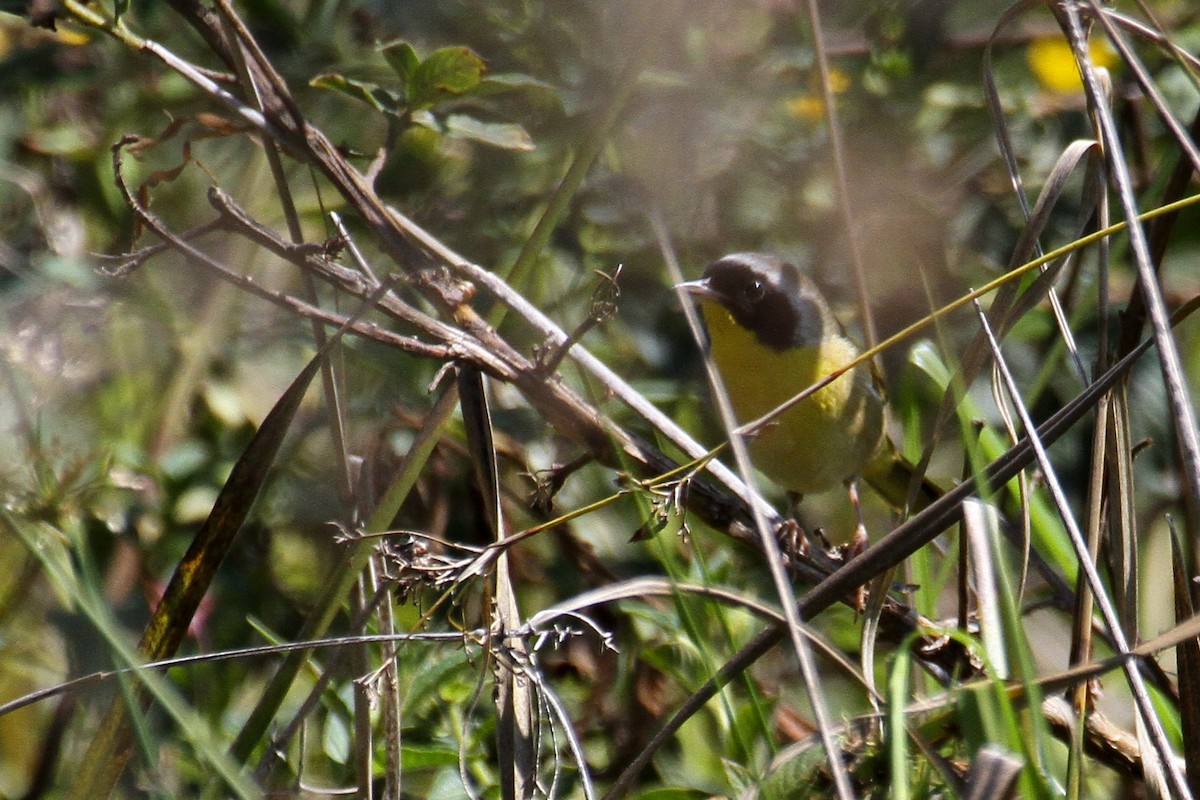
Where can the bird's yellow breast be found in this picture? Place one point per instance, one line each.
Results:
(823, 440)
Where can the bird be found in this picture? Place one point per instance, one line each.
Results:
(771, 335)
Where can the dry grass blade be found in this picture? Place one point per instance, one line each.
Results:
(1122, 527)
(837, 152)
(877, 602)
(1187, 659)
(1082, 630)
(515, 705)
(1181, 137)
(979, 527)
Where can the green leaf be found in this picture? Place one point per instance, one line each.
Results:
(64, 139)
(508, 135)
(511, 82)
(402, 58)
(448, 71)
(427, 120)
(429, 674)
(371, 94)
(335, 739)
(425, 756)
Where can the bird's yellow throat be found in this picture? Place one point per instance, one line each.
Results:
(818, 443)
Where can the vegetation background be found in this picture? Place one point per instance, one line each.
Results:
(158, 419)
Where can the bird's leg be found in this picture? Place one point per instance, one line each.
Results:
(859, 541)
(791, 536)
(793, 503)
(792, 541)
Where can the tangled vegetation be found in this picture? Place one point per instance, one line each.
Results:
(357, 441)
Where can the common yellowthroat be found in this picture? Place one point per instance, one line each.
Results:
(772, 335)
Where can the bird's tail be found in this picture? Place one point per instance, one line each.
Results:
(891, 476)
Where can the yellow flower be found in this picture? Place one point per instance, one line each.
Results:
(811, 105)
(1053, 62)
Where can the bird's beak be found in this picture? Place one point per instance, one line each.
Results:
(697, 289)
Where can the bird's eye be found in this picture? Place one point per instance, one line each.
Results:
(754, 291)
